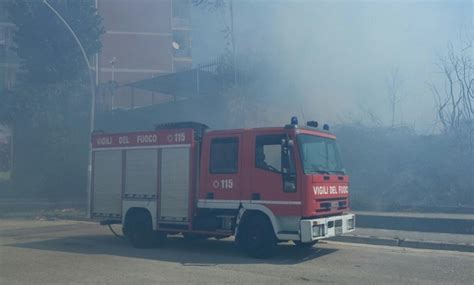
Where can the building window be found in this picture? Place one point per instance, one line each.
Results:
(9, 78)
(181, 9)
(3, 37)
(181, 43)
(268, 152)
(224, 155)
(6, 40)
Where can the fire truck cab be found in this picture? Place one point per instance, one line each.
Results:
(261, 185)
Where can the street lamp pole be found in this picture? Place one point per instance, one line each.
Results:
(92, 87)
(231, 10)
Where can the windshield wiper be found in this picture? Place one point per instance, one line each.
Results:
(312, 170)
(322, 171)
(315, 168)
(342, 172)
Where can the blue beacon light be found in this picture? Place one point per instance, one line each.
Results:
(294, 120)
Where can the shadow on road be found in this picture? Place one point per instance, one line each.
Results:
(200, 253)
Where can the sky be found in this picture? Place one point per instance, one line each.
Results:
(338, 55)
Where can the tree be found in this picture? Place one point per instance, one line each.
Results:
(228, 30)
(455, 100)
(394, 83)
(48, 107)
(454, 95)
(48, 52)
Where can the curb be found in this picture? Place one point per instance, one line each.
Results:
(418, 224)
(404, 243)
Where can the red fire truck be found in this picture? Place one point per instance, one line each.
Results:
(262, 185)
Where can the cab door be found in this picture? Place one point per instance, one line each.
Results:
(268, 182)
(222, 170)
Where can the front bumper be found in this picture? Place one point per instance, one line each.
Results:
(314, 229)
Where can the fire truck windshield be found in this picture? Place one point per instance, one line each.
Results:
(319, 155)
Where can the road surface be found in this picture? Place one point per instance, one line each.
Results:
(68, 252)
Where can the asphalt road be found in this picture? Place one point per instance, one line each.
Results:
(65, 252)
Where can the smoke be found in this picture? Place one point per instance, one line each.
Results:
(336, 55)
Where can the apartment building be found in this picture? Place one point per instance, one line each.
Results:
(8, 60)
(143, 39)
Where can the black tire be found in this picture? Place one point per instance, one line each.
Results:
(140, 231)
(256, 237)
(159, 238)
(305, 244)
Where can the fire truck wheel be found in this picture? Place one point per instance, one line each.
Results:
(305, 244)
(159, 238)
(140, 232)
(257, 237)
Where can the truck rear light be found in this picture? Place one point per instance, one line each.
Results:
(318, 230)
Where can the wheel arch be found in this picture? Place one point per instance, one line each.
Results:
(130, 206)
(132, 211)
(247, 211)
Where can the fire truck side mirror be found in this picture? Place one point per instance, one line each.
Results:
(289, 186)
(288, 166)
(287, 142)
(287, 163)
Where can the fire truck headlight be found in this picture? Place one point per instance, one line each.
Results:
(318, 230)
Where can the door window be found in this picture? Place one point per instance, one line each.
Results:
(224, 155)
(268, 152)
